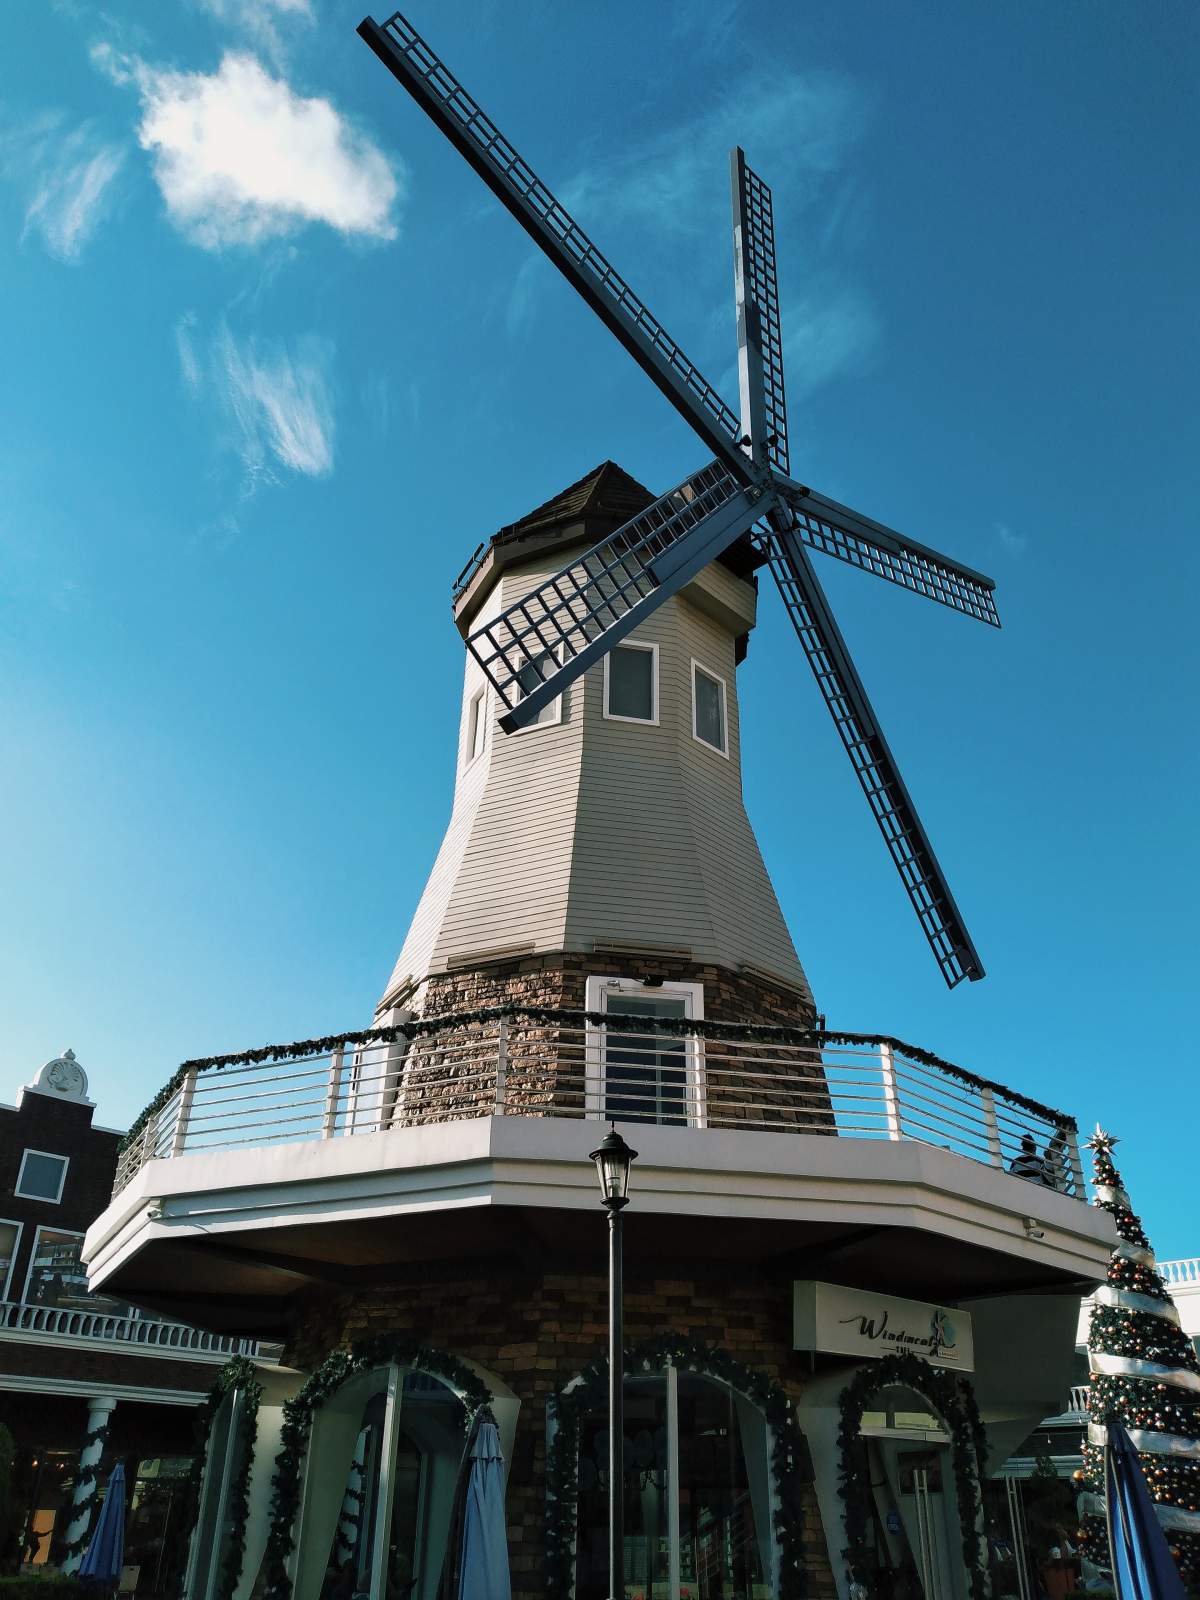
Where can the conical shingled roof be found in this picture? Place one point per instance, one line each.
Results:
(606, 491)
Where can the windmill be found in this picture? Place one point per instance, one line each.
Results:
(535, 648)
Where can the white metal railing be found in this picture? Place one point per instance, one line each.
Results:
(119, 1328)
(569, 1064)
(1177, 1274)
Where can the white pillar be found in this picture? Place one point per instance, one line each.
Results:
(83, 1503)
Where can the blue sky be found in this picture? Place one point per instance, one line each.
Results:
(275, 363)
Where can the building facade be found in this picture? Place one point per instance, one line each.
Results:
(841, 1299)
(85, 1379)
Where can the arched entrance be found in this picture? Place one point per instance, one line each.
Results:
(912, 1450)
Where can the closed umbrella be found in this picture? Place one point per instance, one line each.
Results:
(1142, 1564)
(484, 1573)
(105, 1554)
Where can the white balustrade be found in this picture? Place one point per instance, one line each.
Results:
(118, 1328)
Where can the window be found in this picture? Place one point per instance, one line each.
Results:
(380, 1483)
(638, 1074)
(228, 1443)
(708, 708)
(476, 725)
(57, 1277)
(697, 1493)
(41, 1176)
(537, 671)
(10, 1237)
(56, 1274)
(631, 683)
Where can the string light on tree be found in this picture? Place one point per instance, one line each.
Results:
(1144, 1373)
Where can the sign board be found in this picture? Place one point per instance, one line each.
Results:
(859, 1322)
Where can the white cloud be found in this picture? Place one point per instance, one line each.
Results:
(240, 157)
(69, 179)
(276, 398)
(282, 402)
(266, 22)
(825, 336)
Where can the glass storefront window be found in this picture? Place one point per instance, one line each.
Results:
(58, 1278)
(704, 1537)
(383, 1469)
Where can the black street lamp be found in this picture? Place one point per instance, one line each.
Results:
(613, 1157)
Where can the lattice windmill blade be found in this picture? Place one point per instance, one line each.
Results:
(876, 769)
(514, 183)
(760, 335)
(533, 650)
(836, 530)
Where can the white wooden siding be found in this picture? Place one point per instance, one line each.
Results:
(591, 830)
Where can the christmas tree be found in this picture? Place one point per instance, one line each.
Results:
(1144, 1373)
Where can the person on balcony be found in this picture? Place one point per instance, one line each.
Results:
(1029, 1164)
(1054, 1165)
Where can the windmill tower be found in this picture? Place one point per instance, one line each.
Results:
(743, 507)
(608, 839)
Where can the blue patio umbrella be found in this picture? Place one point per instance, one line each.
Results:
(484, 1574)
(1142, 1563)
(105, 1554)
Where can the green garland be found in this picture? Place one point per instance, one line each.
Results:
(339, 1366)
(812, 1038)
(589, 1392)
(87, 1477)
(954, 1400)
(239, 1373)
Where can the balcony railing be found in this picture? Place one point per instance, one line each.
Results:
(111, 1328)
(1181, 1274)
(529, 1063)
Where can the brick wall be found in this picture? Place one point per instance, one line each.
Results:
(536, 1326)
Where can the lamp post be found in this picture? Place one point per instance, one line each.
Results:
(613, 1157)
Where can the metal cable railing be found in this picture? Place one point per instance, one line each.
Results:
(572, 1064)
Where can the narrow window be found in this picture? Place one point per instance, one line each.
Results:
(631, 683)
(476, 726)
(41, 1176)
(537, 671)
(708, 708)
(10, 1234)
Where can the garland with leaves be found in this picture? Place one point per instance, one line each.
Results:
(1145, 1374)
(745, 1033)
(239, 1373)
(953, 1399)
(88, 1478)
(589, 1392)
(298, 1414)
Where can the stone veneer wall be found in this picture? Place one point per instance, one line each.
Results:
(535, 1323)
(560, 979)
(450, 1076)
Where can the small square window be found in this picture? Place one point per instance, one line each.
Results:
(631, 683)
(536, 672)
(708, 708)
(41, 1176)
(476, 725)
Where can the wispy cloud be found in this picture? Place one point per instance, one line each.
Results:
(68, 177)
(240, 157)
(831, 332)
(265, 22)
(275, 399)
(796, 128)
(1015, 543)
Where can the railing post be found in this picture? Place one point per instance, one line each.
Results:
(501, 1064)
(333, 1093)
(1076, 1164)
(891, 1098)
(995, 1154)
(187, 1091)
